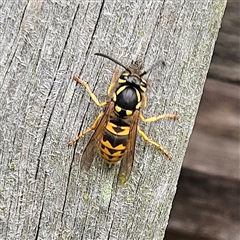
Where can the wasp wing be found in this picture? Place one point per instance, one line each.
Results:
(128, 157)
(92, 146)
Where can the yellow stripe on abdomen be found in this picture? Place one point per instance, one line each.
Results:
(110, 159)
(117, 130)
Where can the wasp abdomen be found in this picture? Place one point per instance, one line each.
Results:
(113, 142)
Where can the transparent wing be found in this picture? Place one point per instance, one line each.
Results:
(92, 147)
(128, 157)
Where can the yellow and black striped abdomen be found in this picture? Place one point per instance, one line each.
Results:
(113, 142)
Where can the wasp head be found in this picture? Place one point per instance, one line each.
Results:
(132, 75)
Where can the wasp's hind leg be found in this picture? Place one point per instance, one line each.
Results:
(145, 137)
(92, 95)
(153, 119)
(93, 127)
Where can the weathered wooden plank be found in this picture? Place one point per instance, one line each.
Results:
(44, 43)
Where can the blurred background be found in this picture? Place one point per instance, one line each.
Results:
(207, 203)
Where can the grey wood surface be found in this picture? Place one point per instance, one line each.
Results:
(43, 44)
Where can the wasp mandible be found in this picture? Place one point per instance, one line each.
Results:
(116, 127)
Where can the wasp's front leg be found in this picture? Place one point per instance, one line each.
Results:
(92, 95)
(111, 88)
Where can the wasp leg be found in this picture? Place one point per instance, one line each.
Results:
(111, 89)
(153, 119)
(92, 95)
(93, 127)
(145, 137)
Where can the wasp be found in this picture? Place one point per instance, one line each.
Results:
(116, 127)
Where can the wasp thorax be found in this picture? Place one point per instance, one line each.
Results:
(127, 99)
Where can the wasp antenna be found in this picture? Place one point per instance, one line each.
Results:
(117, 62)
(153, 66)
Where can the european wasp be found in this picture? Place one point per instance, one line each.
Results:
(115, 128)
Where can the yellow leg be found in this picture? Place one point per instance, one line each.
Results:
(92, 95)
(153, 119)
(145, 137)
(112, 84)
(94, 126)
